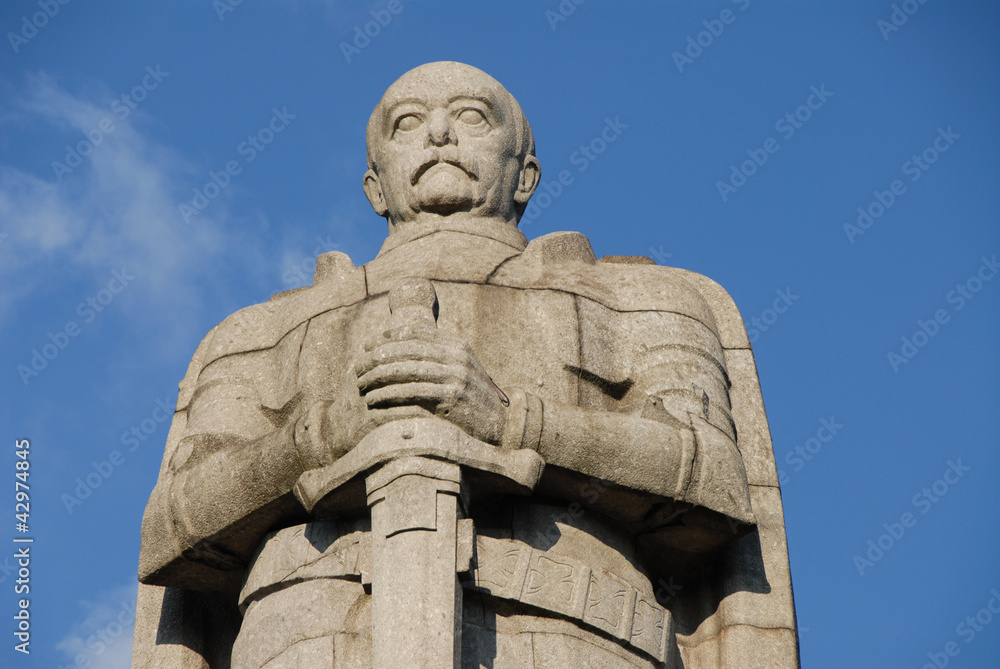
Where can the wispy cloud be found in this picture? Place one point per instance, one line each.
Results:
(104, 636)
(117, 208)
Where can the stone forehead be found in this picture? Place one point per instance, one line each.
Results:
(443, 79)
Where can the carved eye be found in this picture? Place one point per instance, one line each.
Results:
(407, 122)
(472, 117)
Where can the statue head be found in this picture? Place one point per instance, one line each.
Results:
(447, 139)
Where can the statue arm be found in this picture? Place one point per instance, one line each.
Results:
(670, 437)
(625, 449)
(651, 453)
(228, 482)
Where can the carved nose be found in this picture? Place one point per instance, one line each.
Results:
(439, 128)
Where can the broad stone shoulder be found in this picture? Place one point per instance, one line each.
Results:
(338, 283)
(730, 328)
(565, 261)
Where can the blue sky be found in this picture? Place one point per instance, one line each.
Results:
(105, 279)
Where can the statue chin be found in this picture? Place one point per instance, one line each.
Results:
(445, 192)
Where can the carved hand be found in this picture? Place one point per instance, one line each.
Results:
(417, 370)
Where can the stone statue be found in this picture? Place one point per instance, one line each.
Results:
(473, 451)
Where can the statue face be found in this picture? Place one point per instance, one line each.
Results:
(445, 140)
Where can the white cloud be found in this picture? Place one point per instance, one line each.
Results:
(117, 207)
(104, 637)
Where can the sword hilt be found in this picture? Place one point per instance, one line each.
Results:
(413, 301)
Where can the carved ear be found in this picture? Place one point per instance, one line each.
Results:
(373, 191)
(531, 174)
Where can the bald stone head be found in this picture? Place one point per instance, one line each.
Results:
(447, 140)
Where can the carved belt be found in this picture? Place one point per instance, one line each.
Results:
(593, 596)
(504, 568)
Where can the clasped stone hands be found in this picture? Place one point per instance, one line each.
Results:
(419, 370)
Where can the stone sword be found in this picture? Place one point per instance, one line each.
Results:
(416, 505)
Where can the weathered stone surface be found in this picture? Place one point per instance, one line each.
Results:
(732, 332)
(275, 627)
(755, 596)
(746, 646)
(434, 255)
(416, 596)
(472, 451)
(755, 579)
(748, 411)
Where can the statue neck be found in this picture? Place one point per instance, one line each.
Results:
(494, 229)
(446, 249)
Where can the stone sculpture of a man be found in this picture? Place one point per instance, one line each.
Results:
(574, 448)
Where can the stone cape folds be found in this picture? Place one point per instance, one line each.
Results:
(701, 528)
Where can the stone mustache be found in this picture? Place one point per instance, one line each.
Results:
(472, 451)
